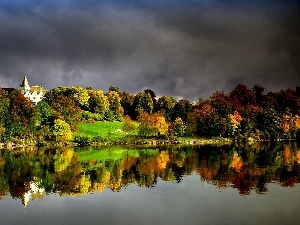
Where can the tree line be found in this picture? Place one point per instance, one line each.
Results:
(242, 113)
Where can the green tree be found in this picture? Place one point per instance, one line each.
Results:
(128, 125)
(115, 89)
(44, 114)
(165, 106)
(177, 127)
(181, 109)
(152, 94)
(98, 102)
(268, 122)
(115, 109)
(142, 103)
(4, 113)
(127, 102)
(78, 94)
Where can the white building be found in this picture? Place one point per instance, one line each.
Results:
(35, 93)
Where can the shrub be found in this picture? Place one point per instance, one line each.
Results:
(89, 116)
(83, 140)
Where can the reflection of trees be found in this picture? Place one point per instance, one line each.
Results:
(250, 168)
(68, 181)
(61, 171)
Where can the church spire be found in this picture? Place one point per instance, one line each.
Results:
(24, 86)
(25, 82)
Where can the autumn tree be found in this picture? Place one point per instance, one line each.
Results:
(64, 108)
(204, 120)
(21, 114)
(154, 124)
(288, 100)
(290, 125)
(62, 130)
(241, 96)
(235, 120)
(161, 124)
(221, 102)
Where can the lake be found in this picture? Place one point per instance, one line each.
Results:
(257, 184)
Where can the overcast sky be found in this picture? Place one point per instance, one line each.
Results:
(174, 47)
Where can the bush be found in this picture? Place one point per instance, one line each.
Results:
(91, 116)
(83, 140)
(98, 139)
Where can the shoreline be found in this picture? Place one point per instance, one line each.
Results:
(145, 142)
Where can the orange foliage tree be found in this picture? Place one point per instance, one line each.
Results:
(290, 125)
(235, 121)
(152, 124)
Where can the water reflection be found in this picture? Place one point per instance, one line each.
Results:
(30, 174)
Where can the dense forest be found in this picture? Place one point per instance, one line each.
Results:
(242, 114)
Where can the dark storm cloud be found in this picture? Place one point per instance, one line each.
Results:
(173, 47)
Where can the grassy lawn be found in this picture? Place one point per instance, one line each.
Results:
(102, 128)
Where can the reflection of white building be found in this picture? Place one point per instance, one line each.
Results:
(35, 93)
(34, 192)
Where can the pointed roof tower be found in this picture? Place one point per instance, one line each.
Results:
(25, 82)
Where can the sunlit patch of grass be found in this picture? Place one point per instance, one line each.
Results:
(112, 130)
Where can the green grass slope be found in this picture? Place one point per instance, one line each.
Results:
(102, 128)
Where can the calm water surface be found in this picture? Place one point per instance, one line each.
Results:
(183, 185)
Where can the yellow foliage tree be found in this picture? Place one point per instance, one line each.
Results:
(62, 130)
(80, 96)
(161, 124)
(235, 119)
